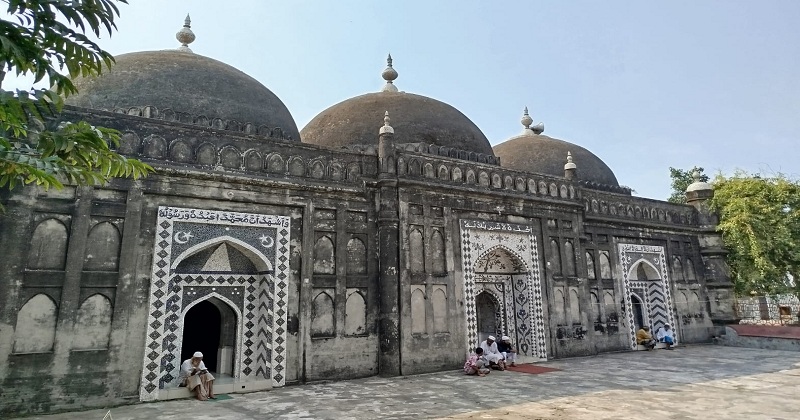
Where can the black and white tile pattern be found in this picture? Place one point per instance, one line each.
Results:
(259, 299)
(655, 294)
(523, 293)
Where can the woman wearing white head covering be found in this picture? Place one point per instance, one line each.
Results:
(491, 353)
(194, 374)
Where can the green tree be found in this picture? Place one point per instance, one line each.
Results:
(681, 180)
(760, 225)
(43, 38)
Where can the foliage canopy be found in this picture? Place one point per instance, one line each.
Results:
(42, 39)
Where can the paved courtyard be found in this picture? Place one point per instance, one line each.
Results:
(695, 382)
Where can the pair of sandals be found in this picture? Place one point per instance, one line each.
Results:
(496, 366)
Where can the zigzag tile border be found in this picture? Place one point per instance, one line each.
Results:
(260, 301)
(479, 237)
(657, 297)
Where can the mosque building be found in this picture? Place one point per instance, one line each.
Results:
(387, 237)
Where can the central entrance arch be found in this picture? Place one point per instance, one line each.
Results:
(488, 309)
(210, 328)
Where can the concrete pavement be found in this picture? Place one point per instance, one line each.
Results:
(695, 382)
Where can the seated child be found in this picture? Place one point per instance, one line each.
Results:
(476, 364)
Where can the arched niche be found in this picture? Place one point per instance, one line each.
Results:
(356, 256)
(574, 306)
(555, 257)
(559, 306)
(605, 265)
(569, 258)
(93, 323)
(437, 253)
(35, 330)
(677, 269)
(416, 251)
(222, 255)
(48, 249)
(323, 322)
(355, 317)
(590, 273)
(643, 270)
(102, 248)
(439, 304)
(324, 256)
(418, 310)
(499, 260)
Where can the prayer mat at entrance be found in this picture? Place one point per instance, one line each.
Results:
(534, 369)
(221, 397)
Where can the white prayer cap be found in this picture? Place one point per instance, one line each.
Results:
(491, 337)
(198, 354)
(506, 338)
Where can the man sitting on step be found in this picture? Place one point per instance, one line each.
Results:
(644, 338)
(666, 335)
(195, 375)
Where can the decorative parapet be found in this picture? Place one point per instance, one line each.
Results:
(625, 207)
(452, 152)
(454, 171)
(604, 187)
(171, 115)
(162, 142)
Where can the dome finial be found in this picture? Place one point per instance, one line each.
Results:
(389, 74)
(527, 121)
(185, 36)
(386, 129)
(570, 164)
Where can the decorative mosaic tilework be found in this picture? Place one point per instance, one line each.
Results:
(657, 297)
(259, 299)
(478, 238)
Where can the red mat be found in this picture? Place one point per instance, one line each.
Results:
(531, 369)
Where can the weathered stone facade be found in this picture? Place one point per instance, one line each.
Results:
(390, 258)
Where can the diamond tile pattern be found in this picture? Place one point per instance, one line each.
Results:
(520, 296)
(655, 293)
(169, 297)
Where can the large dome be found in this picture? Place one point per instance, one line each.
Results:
(184, 82)
(536, 153)
(415, 119)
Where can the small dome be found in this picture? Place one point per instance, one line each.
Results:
(184, 82)
(415, 119)
(537, 153)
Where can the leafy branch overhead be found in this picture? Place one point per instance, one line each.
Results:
(47, 39)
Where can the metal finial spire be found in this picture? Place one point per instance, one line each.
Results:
(185, 36)
(527, 121)
(389, 74)
(570, 164)
(386, 129)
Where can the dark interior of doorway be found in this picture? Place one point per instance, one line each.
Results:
(201, 332)
(638, 312)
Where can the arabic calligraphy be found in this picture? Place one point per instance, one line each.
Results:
(508, 227)
(175, 213)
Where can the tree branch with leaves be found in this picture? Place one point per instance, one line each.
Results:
(47, 39)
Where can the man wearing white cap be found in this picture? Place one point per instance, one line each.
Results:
(194, 374)
(495, 358)
(507, 350)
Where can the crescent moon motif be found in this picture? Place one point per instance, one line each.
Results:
(183, 237)
(266, 241)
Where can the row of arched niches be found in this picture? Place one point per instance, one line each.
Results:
(39, 305)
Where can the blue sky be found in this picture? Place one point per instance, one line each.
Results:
(643, 85)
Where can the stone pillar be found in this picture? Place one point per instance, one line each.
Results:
(389, 363)
(719, 286)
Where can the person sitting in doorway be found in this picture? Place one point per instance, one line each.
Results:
(194, 374)
(477, 364)
(495, 358)
(505, 348)
(644, 338)
(666, 335)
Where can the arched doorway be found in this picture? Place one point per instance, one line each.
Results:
(488, 310)
(210, 327)
(638, 312)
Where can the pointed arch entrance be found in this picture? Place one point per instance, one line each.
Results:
(502, 289)
(219, 285)
(648, 301)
